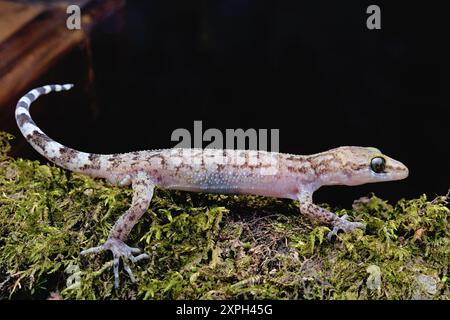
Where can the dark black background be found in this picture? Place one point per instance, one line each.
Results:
(310, 68)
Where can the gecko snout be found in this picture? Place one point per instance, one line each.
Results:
(394, 170)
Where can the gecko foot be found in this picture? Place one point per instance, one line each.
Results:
(343, 224)
(119, 250)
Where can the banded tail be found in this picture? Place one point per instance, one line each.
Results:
(63, 156)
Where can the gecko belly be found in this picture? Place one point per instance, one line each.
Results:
(230, 183)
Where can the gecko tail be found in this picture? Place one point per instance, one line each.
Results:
(63, 156)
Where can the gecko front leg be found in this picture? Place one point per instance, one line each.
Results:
(312, 211)
(143, 187)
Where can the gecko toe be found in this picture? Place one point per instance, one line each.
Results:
(92, 250)
(116, 272)
(130, 273)
(332, 233)
(135, 250)
(359, 225)
(139, 257)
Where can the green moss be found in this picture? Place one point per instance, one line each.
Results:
(210, 246)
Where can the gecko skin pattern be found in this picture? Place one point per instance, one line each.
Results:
(210, 170)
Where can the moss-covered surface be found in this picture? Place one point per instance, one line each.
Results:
(207, 246)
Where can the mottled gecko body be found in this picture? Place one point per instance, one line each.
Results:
(210, 170)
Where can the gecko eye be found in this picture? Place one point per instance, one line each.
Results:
(378, 164)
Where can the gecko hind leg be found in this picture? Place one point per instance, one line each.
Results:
(143, 187)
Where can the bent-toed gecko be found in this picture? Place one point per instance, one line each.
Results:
(210, 170)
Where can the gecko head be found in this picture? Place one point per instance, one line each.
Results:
(367, 165)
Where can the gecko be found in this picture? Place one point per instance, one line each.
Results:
(224, 171)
